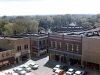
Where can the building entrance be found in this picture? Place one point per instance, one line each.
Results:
(63, 59)
(74, 61)
(24, 57)
(57, 57)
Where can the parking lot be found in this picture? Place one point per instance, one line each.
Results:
(43, 69)
(45, 66)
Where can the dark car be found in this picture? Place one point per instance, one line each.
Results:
(64, 67)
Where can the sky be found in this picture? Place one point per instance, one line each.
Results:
(48, 7)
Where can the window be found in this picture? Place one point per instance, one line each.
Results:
(44, 42)
(34, 42)
(26, 46)
(55, 44)
(51, 44)
(72, 47)
(59, 45)
(77, 48)
(18, 48)
(67, 46)
(47, 40)
(39, 42)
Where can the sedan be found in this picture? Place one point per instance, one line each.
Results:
(58, 72)
(26, 68)
(22, 73)
(34, 66)
(80, 73)
(70, 71)
(17, 69)
(56, 67)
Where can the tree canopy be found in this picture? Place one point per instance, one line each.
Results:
(23, 24)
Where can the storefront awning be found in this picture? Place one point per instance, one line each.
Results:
(0, 63)
(7, 60)
(70, 55)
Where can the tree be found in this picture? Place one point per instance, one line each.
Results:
(34, 26)
(9, 29)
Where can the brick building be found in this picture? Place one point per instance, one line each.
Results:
(38, 43)
(14, 50)
(65, 48)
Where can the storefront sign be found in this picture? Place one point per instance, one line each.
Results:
(24, 52)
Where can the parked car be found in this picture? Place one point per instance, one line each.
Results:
(58, 72)
(22, 72)
(26, 68)
(8, 72)
(56, 67)
(70, 71)
(80, 73)
(77, 73)
(33, 66)
(64, 67)
(17, 69)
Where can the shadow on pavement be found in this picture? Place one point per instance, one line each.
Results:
(52, 63)
(49, 64)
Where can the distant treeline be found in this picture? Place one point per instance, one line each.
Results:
(23, 24)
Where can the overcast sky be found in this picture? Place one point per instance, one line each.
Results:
(47, 7)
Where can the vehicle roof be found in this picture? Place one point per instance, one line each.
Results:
(58, 70)
(71, 69)
(77, 72)
(68, 72)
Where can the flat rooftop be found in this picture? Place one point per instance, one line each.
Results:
(13, 38)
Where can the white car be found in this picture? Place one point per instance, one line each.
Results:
(9, 71)
(33, 65)
(79, 73)
(17, 69)
(56, 67)
(26, 68)
(22, 73)
(70, 71)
